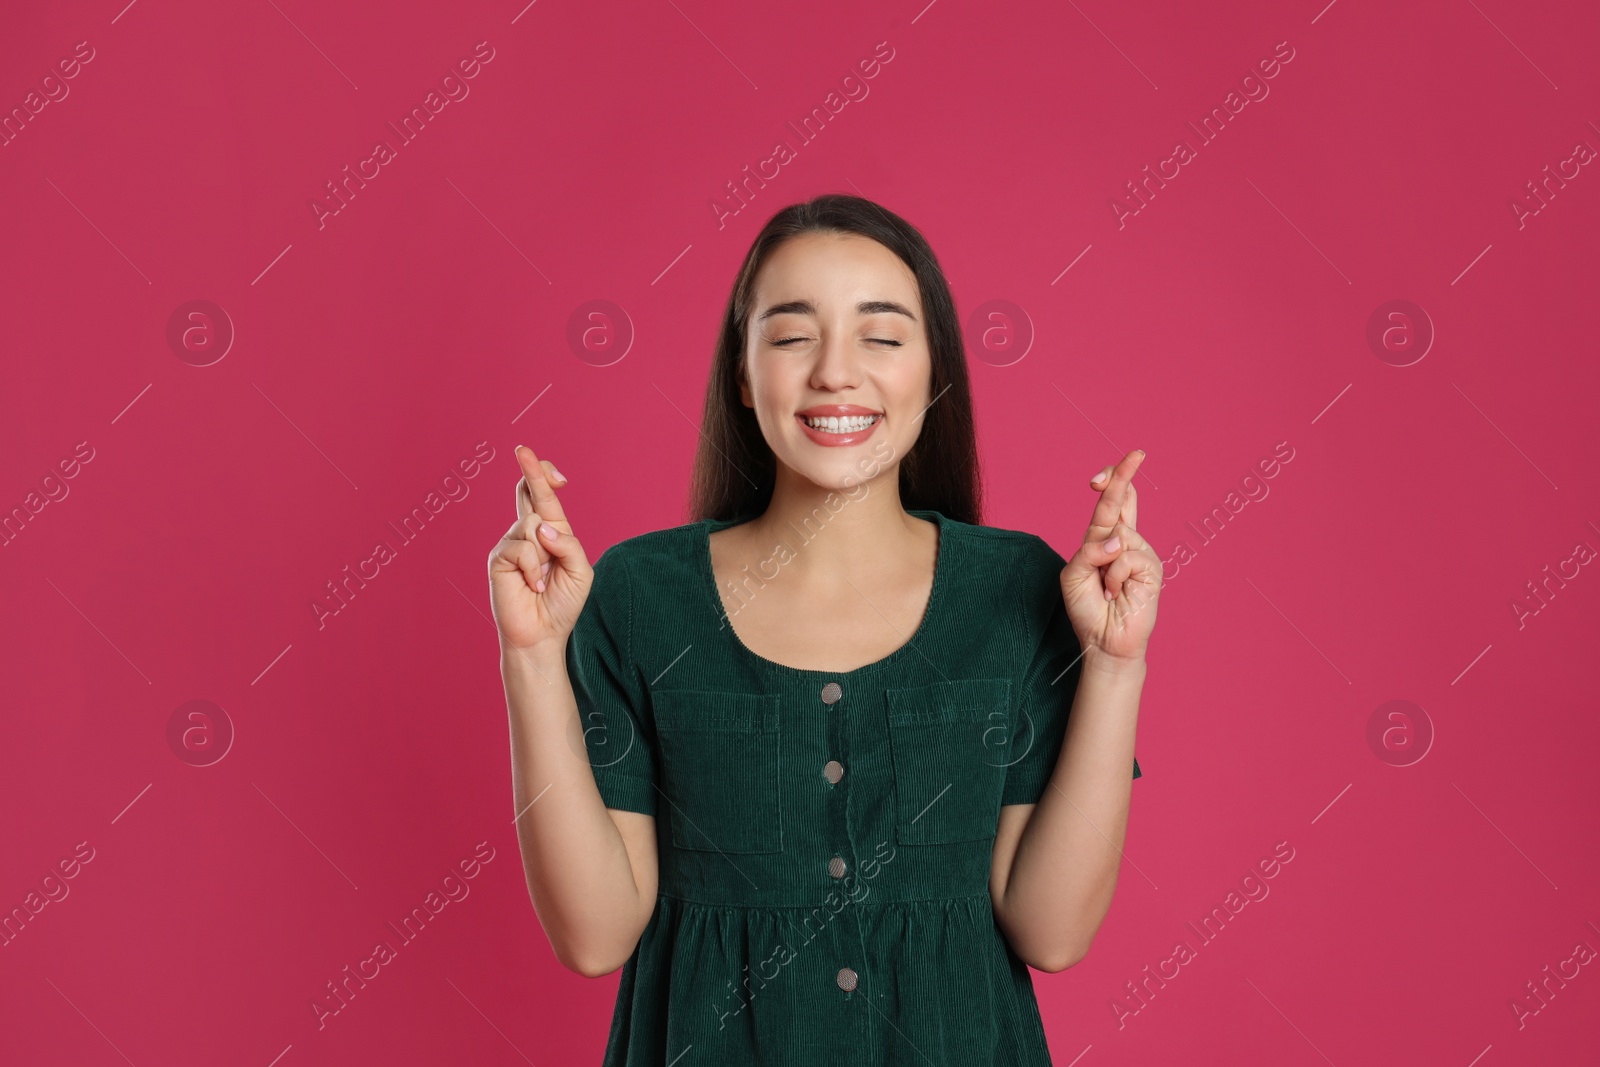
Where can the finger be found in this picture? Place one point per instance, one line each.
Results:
(1117, 574)
(566, 549)
(1130, 506)
(516, 552)
(541, 494)
(1108, 510)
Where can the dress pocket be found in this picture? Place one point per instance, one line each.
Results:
(719, 770)
(949, 743)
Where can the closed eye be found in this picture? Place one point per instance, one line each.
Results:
(880, 340)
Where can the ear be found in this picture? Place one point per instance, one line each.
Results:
(744, 387)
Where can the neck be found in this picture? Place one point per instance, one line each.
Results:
(837, 532)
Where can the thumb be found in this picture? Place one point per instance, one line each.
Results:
(1095, 554)
(563, 546)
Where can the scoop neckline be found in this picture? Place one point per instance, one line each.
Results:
(707, 527)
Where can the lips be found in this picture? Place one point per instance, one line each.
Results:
(829, 439)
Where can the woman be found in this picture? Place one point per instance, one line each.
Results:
(804, 767)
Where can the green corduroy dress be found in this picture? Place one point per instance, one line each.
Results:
(824, 837)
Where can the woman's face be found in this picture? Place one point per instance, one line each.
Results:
(837, 331)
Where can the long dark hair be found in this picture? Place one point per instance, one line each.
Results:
(734, 468)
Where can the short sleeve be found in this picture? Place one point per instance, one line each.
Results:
(1050, 683)
(610, 690)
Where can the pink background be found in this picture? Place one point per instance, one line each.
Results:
(373, 353)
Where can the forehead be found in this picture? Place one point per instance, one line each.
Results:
(836, 274)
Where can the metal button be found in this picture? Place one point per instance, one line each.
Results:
(833, 770)
(836, 866)
(846, 979)
(831, 693)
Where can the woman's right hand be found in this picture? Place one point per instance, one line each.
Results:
(537, 584)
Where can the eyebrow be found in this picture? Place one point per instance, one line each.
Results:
(866, 307)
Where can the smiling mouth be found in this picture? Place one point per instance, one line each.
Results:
(840, 424)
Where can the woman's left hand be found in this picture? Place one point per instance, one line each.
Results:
(1111, 592)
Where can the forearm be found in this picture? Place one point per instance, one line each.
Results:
(1065, 868)
(579, 875)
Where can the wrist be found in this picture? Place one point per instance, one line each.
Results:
(1096, 659)
(543, 658)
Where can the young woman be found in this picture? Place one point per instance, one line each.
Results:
(825, 770)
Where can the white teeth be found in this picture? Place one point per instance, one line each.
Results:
(844, 424)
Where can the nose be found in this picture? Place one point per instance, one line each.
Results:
(836, 367)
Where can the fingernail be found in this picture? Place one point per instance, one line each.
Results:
(548, 530)
(518, 450)
(1098, 475)
(538, 587)
(1113, 544)
(544, 568)
(558, 474)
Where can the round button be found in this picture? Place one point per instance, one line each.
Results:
(831, 693)
(846, 979)
(833, 770)
(836, 866)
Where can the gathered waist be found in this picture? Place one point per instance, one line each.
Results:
(870, 900)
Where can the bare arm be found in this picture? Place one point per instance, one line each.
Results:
(1055, 862)
(591, 870)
